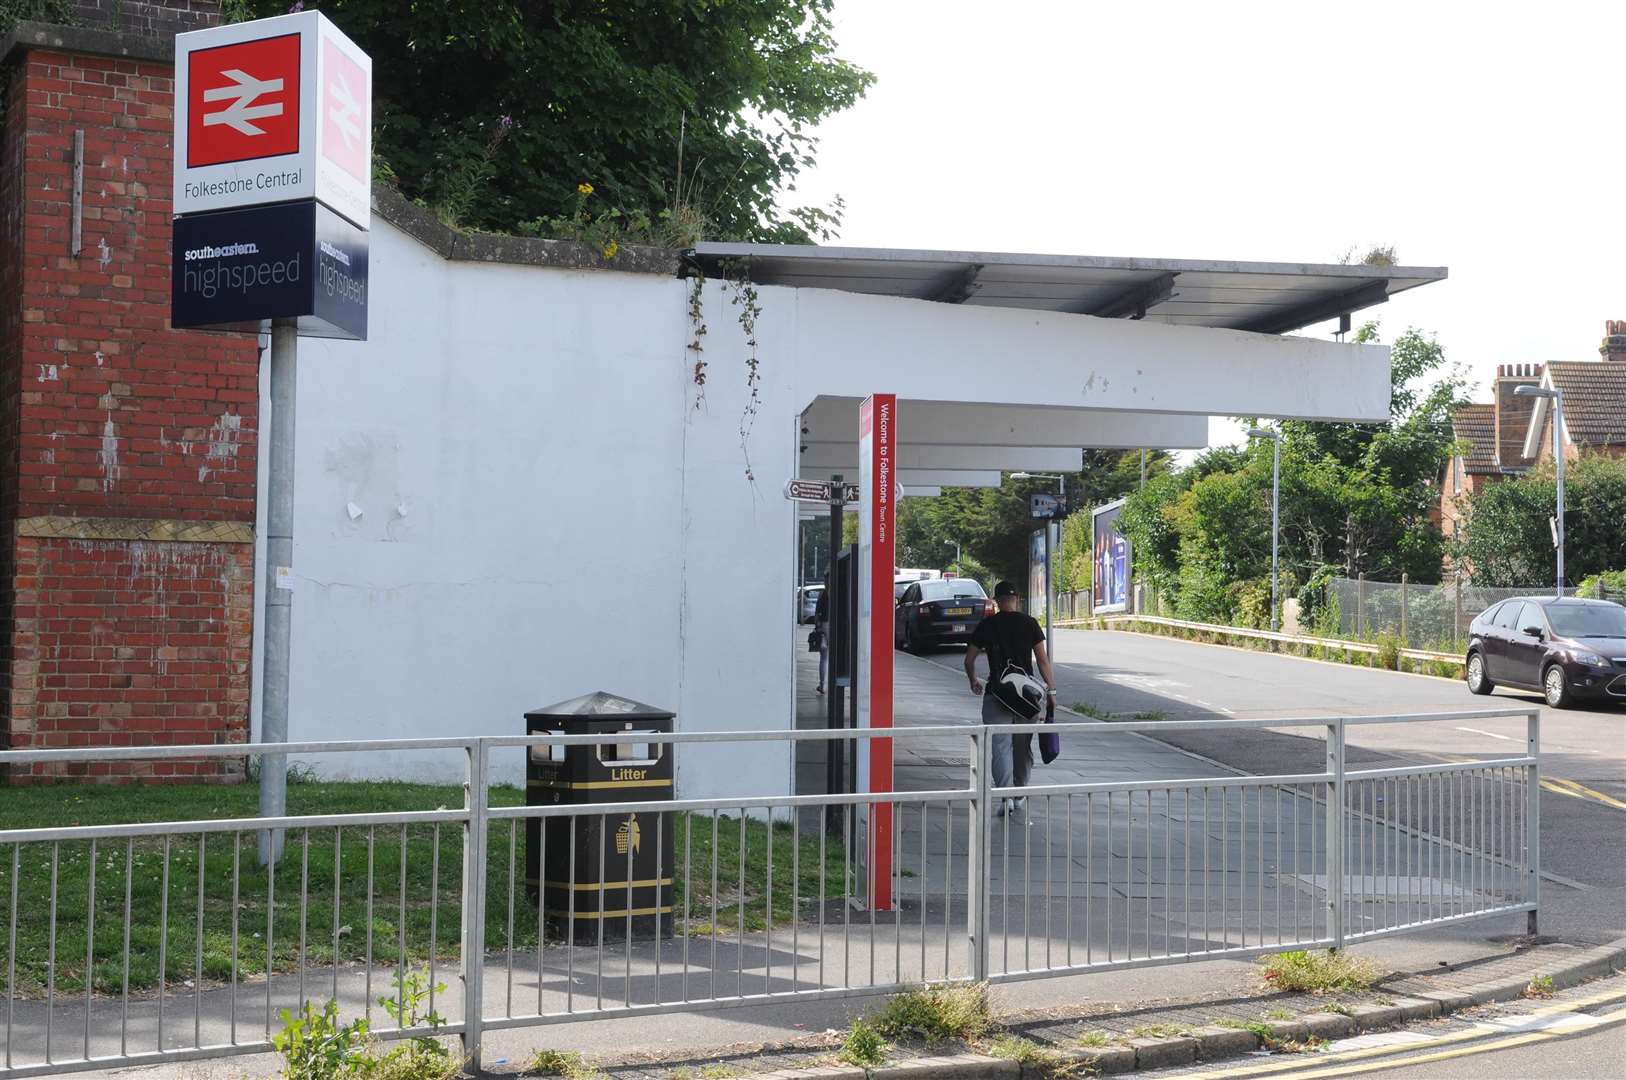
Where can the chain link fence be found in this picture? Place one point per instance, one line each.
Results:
(1425, 616)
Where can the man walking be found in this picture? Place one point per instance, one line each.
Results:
(1012, 640)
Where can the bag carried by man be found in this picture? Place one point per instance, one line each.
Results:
(1023, 696)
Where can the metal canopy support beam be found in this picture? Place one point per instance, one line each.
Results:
(1331, 307)
(1135, 301)
(959, 424)
(955, 287)
(913, 479)
(825, 455)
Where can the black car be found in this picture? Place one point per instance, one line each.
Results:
(938, 612)
(1568, 649)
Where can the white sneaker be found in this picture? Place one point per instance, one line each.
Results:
(1019, 806)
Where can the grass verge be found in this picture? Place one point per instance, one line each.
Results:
(1386, 656)
(1035, 1060)
(412, 910)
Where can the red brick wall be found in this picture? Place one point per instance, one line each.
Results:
(120, 643)
(108, 414)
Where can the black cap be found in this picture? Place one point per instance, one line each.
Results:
(1004, 589)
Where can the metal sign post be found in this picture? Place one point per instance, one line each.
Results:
(272, 182)
(279, 592)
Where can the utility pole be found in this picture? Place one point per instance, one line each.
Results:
(1275, 438)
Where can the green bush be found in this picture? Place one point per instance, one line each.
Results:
(314, 1046)
(1317, 972)
(1388, 651)
(1614, 581)
(936, 1014)
(863, 1045)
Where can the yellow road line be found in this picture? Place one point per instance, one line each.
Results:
(1558, 785)
(1606, 998)
(1581, 791)
(1612, 1020)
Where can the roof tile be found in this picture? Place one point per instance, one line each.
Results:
(1477, 424)
(1594, 400)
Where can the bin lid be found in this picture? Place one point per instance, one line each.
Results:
(601, 704)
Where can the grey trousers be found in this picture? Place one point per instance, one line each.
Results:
(1012, 754)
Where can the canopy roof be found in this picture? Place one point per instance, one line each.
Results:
(1271, 298)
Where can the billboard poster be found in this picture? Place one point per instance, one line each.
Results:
(1038, 578)
(1112, 560)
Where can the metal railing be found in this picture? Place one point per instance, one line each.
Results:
(140, 943)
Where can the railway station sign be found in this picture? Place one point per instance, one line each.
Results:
(273, 110)
(289, 260)
(273, 168)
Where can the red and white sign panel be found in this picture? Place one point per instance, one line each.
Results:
(271, 111)
(877, 547)
(243, 101)
(345, 101)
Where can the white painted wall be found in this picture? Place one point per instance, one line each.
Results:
(546, 507)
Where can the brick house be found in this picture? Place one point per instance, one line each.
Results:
(1494, 433)
(127, 449)
(1594, 403)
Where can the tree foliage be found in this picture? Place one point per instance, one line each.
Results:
(1355, 496)
(544, 96)
(1506, 540)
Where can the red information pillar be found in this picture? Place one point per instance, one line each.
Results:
(877, 515)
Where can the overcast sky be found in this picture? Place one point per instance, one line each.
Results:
(1490, 139)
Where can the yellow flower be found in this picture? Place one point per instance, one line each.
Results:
(611, 248)
(584, 189)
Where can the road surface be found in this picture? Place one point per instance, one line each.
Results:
(1583, 750)
(1580, 1034)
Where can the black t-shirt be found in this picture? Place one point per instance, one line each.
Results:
(1008, 637)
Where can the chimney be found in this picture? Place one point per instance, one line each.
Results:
(1614, 341)
(149, 18)
(1513, 412)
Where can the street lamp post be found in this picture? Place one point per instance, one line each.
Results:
(1275, 438)
(1558, 461)
(1061, 481)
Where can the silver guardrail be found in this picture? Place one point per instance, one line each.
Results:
(1219, 629)
(158, 942)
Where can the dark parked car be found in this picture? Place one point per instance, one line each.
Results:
(1568, 649)
(807, 602)
(938, 612)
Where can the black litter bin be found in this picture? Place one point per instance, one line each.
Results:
(619, 865)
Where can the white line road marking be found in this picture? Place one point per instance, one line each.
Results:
(1490, 734)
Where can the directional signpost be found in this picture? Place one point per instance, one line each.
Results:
(273, 197)
(807, 490)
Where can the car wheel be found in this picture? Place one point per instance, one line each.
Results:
(908, 639)
(1555, 687)
(1478, 681)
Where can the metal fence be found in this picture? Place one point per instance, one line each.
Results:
(1424, 616)
(141, 943)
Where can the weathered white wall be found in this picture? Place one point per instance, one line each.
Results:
(513, 494)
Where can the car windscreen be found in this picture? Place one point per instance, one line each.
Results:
(948, 590)
(1588, 620)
